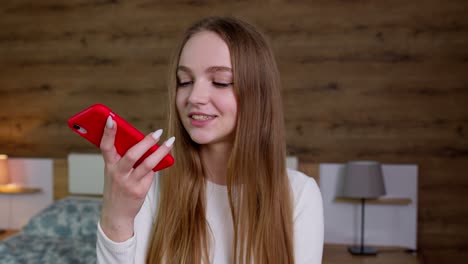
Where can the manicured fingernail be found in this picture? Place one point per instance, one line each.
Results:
(109, 122)
(157, 134)
(169, 142)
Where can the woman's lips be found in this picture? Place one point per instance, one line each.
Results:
(200, 120)
(202, 117)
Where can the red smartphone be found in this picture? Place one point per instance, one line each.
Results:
(90, 123)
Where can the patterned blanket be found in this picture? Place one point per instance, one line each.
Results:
(64, 232)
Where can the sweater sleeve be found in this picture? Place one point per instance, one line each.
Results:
(308, 224)
(108, 251)
(134, 249)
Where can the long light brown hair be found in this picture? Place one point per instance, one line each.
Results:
(258, 186)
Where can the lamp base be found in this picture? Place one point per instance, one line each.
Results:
(366, 251)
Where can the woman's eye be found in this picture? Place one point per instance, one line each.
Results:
(219, 84)
(183, 84)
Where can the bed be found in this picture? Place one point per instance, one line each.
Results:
(64, 232)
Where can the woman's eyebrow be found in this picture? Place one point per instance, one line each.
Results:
(184, 69)
(211, 69)
(214, 69)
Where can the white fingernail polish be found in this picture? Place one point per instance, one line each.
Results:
(169, 142)
(157, 134)
(109, 122)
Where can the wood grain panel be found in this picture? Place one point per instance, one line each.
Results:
(382, 80)
(60, 179)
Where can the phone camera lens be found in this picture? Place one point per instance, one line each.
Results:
(77, 127)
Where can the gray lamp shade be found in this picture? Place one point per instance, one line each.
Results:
(363, 179)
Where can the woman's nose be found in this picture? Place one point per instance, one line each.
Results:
(199, 94)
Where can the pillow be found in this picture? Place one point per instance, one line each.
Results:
(71, 217)
(24, 248)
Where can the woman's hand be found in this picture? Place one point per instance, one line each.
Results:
(125, 188)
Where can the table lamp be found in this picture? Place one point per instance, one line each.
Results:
(4, 176)
(363, 180)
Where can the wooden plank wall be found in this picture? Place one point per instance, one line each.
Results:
(384, 80)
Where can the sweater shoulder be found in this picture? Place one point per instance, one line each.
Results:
(302, 186)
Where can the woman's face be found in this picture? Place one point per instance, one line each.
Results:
(205, 97)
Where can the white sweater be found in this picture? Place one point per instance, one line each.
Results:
(308, 225)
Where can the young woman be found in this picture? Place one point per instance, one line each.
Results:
(229, 197)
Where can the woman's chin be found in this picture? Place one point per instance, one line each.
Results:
(201, 140)
(205, 138)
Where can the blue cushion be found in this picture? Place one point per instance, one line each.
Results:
(23, 248)
(71, 217)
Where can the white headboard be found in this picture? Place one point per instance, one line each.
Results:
(385, 224)
(86, 172)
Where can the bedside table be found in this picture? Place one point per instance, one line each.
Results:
(12, 196)
(4, 234)
(338, 254)
(16, 189)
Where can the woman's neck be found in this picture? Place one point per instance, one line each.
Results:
(215, 157)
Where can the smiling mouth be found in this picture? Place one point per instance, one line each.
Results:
(202, 117)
